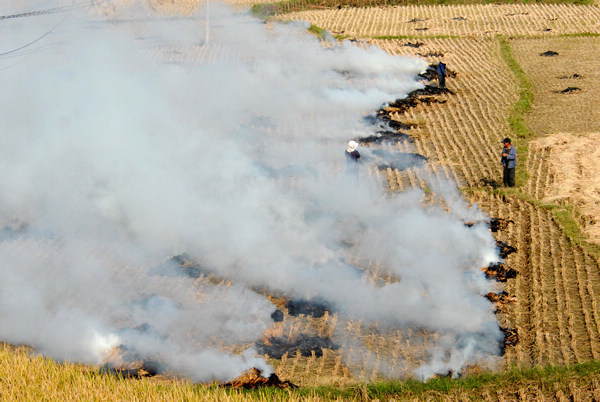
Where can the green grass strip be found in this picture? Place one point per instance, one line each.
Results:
(521, 134)
(548, 379)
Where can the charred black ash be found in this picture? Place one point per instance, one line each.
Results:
(549, 53)
(504, 249)
(277, 315)
(572, 76)
(188, 266)
(499, 271)
(383, 122)
(403, 161)
(276, 348)
(420, 96)
(497, 224)
(313, 308)
(385, 136)
(569, 90)
(416, 45)
(511, 338)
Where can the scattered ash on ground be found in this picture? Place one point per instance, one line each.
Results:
(421, 29)
(504, 249)
(276, 348)
(253, 379)
(312, 308)
(500, 299)
(549, 53)
(572, 76)
(499, 271)
(569, 90)
(511, 338)
(431, 54)
(415, 45)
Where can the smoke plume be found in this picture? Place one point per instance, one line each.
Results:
(130, 137)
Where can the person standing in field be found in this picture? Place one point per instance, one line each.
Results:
(509, 163)
(441, 72)
(352, 157)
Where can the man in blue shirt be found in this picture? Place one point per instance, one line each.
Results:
(509, 163)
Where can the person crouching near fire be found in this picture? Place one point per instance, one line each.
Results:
(509, 163)
(352, 157)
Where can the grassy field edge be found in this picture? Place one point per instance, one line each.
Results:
(31, 377)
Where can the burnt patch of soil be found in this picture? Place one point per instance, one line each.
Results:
(415, 45)
(431, 54)
(187, 266)
(399, 161)
(504, 249)
(421, 96)
(253, 379)
(498, 224)
(499, 271)
(387, 129)
(312, 308)
(549, 53)
(569, 90)
(277, 315)
(276, 348)
(385, 136)
(415, 20)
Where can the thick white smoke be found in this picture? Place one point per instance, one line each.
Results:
(130, 138)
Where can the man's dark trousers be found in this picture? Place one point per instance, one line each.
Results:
(509, 177)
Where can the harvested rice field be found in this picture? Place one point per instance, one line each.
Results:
(546, 300)
(556, 291)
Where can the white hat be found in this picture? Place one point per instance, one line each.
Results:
(352, 146)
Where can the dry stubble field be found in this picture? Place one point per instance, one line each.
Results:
(557, 288)
(556, 292)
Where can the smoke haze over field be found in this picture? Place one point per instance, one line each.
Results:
(130, 139)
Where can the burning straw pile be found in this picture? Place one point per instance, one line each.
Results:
(253, 379)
